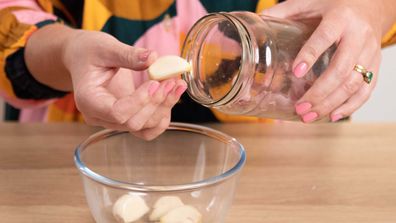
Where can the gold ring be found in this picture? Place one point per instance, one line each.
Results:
(367, 75)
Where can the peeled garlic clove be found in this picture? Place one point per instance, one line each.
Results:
(129, 208)
(163, 205)
(183, 214)
(167, 67)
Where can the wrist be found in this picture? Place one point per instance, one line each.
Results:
(48, 42)
(389, 16)
(67, 50)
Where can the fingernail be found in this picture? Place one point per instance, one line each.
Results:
(153, 88)
(180, 90)
(169, 86)
(336, 117)
(300, 69)
(303, 108)
(310, 117)
(144, 55)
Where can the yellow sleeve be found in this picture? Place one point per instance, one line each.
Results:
(390, 37)
(13, 36)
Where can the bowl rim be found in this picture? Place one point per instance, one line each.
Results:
(193, 128)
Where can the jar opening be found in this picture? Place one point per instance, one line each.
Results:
(218, 48)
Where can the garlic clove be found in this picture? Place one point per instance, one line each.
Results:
(129, 208)
(167, 67)
(163, 205)
(183, 214)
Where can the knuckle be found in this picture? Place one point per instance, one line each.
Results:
(134, 125)
(164, 124)
(116, 114)
(365, 29)
(149, 124)
(351, 87)
(130, 56)
(310, 53)
(317, 94)
(143, 99)
(157, 100)
(346, 13)
(342, 70)
(325, 108)
(149, 135)
(158, 130)
(152, 123)
(326, 35)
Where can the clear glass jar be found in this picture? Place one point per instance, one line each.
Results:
(242, 64)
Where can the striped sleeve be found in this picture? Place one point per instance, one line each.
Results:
(18, 22)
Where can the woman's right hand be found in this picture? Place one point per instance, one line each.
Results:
(110, 96)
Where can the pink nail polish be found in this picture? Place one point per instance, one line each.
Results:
(153, 88)
(336, 117)
(180, 90)
(303, 108)
(310, 117)
(144, 55)
(169, 86)
(300, 69)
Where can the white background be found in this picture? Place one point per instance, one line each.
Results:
(382, 104)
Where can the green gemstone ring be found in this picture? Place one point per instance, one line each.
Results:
(367, 75)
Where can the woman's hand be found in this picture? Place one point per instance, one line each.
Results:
(356, 27)
(103, 75)
(110, 96)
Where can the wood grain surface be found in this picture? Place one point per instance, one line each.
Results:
(294, 173)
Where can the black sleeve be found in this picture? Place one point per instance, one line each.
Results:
(25, 86)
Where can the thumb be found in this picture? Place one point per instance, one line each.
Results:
(130, 57)
(287, 9)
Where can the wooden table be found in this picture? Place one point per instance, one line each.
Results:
(294, 173)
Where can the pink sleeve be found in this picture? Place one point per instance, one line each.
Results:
(33, 15)
(16, 38)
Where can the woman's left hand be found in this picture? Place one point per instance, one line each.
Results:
(356, 27)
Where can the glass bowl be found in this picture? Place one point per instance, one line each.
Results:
(127, 179)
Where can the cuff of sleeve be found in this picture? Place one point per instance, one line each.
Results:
(390, 37)
(24, 85)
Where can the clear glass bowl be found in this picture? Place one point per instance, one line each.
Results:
(197, 164)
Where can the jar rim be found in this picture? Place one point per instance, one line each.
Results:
(246, 64)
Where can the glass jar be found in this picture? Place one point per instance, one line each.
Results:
(242, 64)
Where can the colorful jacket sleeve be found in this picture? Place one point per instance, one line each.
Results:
(19, 19)
(390, 37)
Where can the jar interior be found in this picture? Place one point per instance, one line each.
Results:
(214, 49)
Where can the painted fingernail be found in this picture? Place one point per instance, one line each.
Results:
(336, 117)
(310, 117)
(144, 55)
(153, 88)
(300, 69)
(169, 86)
(303, 108)
(180, 90)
